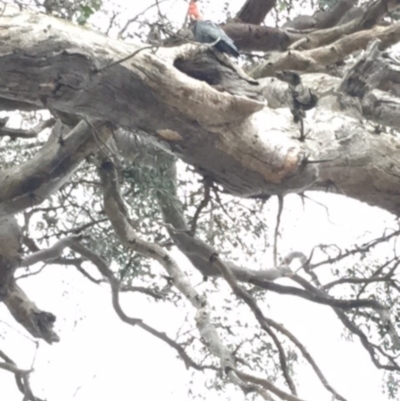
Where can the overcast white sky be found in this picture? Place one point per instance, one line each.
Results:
(104, 358)
(100, 358)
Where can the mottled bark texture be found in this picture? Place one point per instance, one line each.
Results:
(197, 105)
(224, 130)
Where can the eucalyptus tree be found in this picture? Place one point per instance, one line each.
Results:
(115, 152)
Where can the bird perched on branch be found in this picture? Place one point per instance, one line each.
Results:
(300, 97)
(209, 32)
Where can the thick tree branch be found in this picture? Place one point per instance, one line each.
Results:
(255, 11)
(315, 60)
(12, 368)
(331, 17)
(37, 322)
(321, 19)
(196, 250)
(246, 147)
(31, 183)
(253, 37)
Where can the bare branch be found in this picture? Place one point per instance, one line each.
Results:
(122, 60)
(31, 183)
(114, 283)
(362, 249)
(393, 366)
(249, 300)
(318, 297)
(49, 254)
(279, 327)
(315, 59)
(383, 313)
(117, 213)
(202, 205)
(374, 278)
(31, 133)
(21, 377)
(12, 368)
(278, 222)
(144, 290)
(136, 17)
(366, 73)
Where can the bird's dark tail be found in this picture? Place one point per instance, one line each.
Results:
(229, 48)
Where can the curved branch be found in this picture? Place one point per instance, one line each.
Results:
(329, 18)
(12, 368)
(255, 11)
(37, 322)
(249, 300)
(115, 289)
(116, 211)
(321, 19)
(32, 182)
(253, 37)
(31, 133)
(384, 315)
(196, 250)
(249, 149)
(279, 327)
(49, 254)
(318, 298)
(315, 60)
(375, 277)
(394, 367)
(21, 377)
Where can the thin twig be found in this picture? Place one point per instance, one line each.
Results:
(359, 249)
(278, 222)
(114, 283)
(99, 141)
(3, 10)
(201, 206)
(125, 58)
(135, 18)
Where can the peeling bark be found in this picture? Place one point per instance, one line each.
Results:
(38, 323)
(191, 115)
(250, 149)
